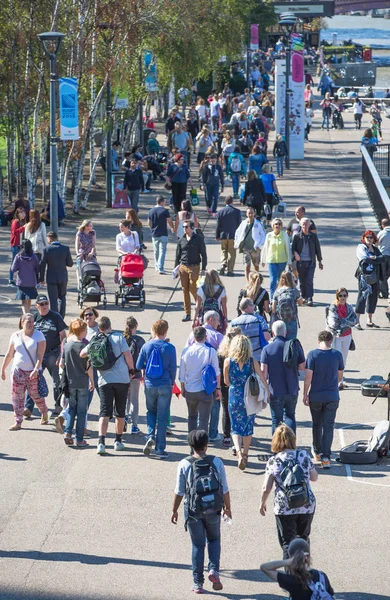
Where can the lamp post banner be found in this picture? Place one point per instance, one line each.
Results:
(296, 108)
(69, 113)
(254, 43)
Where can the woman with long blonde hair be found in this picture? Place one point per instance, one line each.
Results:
(211, 295)
(290, 522)
(223, 351)
(237, 367)
(255, 291)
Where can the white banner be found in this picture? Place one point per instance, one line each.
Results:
(297, 107)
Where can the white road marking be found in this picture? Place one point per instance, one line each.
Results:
(8, 300)
(348, 469)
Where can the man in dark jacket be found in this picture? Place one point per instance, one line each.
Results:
(133, 183)
(56, 257)
(190, 252)
(228, 220)
(305, 248)
(212, 176)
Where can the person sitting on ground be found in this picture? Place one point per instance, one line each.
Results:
(297, 577)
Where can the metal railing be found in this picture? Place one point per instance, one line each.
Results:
(375, 189)
(381, 160)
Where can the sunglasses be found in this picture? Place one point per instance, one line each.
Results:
(43, 304)
(277, 225)
(88, 314)
(369, 237)
(186, 226)
(342, 296)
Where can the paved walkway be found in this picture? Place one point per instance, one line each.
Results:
(74, 525)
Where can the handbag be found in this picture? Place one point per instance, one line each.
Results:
(43, 390)
(194, 197)
(168, 184)
(352, 345)
(275, 199)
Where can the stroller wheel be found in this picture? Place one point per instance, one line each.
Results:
(123, 303)
(105, 304)
(116, 299)
(142, 300)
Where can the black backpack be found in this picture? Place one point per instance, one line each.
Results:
(211, 303)
(100, 352)
(204, 494)
(291, 352)
(294, 483)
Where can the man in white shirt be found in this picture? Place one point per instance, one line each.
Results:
(193, 360)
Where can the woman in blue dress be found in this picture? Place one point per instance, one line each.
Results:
(237, 367)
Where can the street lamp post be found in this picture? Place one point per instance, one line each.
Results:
(51, 42)
(287, 21)
(107, 34)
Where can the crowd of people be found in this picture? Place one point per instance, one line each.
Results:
(242, 363)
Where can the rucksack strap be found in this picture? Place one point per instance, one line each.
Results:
(259, 299)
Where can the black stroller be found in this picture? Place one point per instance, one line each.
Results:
(91, 286)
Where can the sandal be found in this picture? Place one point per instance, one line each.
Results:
(69, 441)
(45, 419)
(15, 427)
(244, 461)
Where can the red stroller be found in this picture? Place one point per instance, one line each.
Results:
(130, 280)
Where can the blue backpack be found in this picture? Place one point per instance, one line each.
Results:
(154, 366)
(209, 377)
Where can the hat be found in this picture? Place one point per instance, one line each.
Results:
(42, 298)
(178, 157)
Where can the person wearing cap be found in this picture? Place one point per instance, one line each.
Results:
(178, 175)
(53, 327)
(56, 259)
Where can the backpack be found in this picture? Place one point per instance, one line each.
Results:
(134, 344)
(211, 303)
(100, 352)
(319, 591)
(154, 366)
(235, 165)
(204, 494)
(286, 306)
(209, 377)
(280, 149)
(294, 484)
(291, 352)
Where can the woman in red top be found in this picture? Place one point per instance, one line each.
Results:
(339, 320)
(17, 230)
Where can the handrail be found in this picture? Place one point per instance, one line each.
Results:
(376, 191)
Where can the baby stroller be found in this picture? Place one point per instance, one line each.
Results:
(91, 286)
(130, 280)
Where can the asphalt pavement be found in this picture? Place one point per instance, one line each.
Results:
(77, 525)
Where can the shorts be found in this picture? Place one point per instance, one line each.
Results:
(252, 256)
(111, 393)
(26, 293)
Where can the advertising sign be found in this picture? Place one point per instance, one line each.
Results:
(69, 114)
(254, 43)
(297, 106)
(151, 71)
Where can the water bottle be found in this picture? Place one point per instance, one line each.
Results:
(227, 520)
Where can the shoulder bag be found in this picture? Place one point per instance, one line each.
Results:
(43, 390)
(168, 184)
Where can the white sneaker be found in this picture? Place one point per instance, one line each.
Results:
(119, 446)
(101, 449)
(148, 446)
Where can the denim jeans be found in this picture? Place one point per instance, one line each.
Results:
(134, 198)
(160, 250)
(323, 415)
(325, 118)
(78, 406)
(158, 403)
(275, 270)
(235, 182)
(283, 410)
(207, 528)
(214, 418)
(291, 330)
(212, 196)
(49, 363)
(306, 270)
(279, 164)
(14, 252)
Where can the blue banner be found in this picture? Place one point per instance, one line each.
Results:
(69, 113)
(151, 71)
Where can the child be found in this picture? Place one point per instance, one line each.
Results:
(135, 343)
(78, 376)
